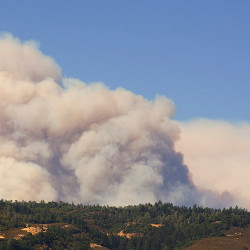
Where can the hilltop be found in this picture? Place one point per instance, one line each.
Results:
(60, 225)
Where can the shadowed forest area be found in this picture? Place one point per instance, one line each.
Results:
(60, 225)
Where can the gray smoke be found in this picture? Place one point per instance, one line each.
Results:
(61, 139)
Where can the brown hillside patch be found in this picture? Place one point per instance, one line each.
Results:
(97, 247)
(128, 235)
(18, 237)
(131, 223)
(32, 230)
(156, 225)
(216, 222)
(236, 238)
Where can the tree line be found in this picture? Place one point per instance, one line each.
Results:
(149, 226)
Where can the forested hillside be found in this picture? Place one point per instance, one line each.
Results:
(59, 225)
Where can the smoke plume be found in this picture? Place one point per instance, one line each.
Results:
(217, 153)
(61, 139)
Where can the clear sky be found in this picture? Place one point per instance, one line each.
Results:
(195, 52)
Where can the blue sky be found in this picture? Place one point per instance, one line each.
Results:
(195, 52)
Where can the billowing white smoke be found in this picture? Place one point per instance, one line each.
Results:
(84, 143)
(217, 153)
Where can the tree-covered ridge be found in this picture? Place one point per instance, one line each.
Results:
(68, 226)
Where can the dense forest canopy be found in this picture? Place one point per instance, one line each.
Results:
(60, 225)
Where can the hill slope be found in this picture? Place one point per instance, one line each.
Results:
(235, 238)
(59, 225)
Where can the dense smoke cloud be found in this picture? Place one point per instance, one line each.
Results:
(25, 61)
(61, 139)
(217, 153)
